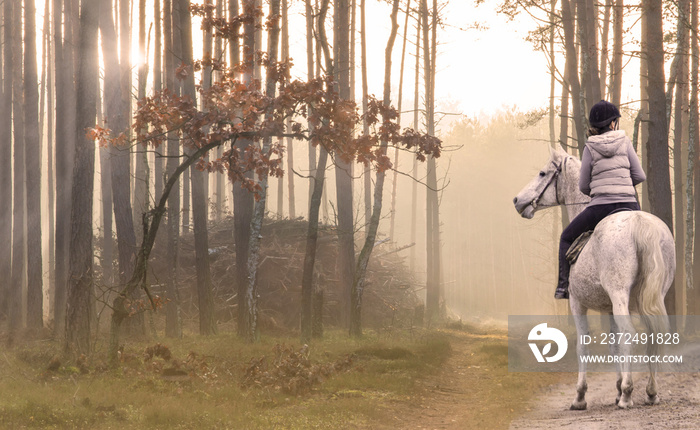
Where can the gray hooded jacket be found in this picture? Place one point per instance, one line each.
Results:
(610, 169)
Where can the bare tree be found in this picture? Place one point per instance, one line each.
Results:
(158, 164)
(680, 134)
(616, 67)
(343, 169)
(242, 199)
(18, 203)
(416, 98)
(65, 147)
(373, 225)
(141, 169)
(198, 178)
(394, 182)
(172, 45)
(659, 183)
(433, 285)
(318, 179)
(81, 254)
(693, 182)
(6, 287)
(567, 19)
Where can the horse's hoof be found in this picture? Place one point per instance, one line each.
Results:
(624, 405)
(650, 401)
(578, 406)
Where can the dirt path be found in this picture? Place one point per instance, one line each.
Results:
(474, 390)
(679, 407)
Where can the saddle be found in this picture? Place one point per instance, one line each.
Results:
(581, 241)
(578, 245)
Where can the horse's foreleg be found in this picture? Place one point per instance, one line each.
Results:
(624, 326)
(581, 322)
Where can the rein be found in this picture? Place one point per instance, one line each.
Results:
(549, 182)
(555, 175)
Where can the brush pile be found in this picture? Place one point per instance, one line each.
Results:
(291, 372)
(389, 299)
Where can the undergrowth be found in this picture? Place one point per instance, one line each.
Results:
(218, 382)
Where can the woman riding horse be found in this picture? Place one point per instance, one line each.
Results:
(610, 169)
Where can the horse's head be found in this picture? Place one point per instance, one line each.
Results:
(541, 191)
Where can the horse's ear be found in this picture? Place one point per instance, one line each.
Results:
(557, 153)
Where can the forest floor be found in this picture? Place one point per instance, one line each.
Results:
(449, 378)
(490, 397)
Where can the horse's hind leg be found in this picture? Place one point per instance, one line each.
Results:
(652, 351)
(652, 393)
(581, 321)
(624, 326)
(614, 351)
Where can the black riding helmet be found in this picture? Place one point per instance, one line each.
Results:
(602, 114)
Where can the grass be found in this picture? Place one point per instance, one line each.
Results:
(210, 395)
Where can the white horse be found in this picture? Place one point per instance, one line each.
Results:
(628, 265)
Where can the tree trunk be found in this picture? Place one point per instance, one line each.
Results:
(552, 76)
(373, 225)
(680, 134)
(414, 187)
(343, 169)
(80, 282)
(572, 68)
(605, 34)
(219, 186)
(309, 15)
(141, 196)
(290, 146)
(644, 107)
(18, 207)
(198, 178)
(32, 146)
(367, 173)
(6, 162)
(65, 149)
(259, 211)
(15, 78)
(659, 183)
(307, 275)
(173, 317)
(586, 11)
(564, 112)
(616, 69)
(693, 182)
(243, 203)
(151, 223)
(234, 43)
(117, 112)
(433, 294)
(107, 221)
(394, 182)
(158, 165)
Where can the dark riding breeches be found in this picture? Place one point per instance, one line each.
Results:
(586, 220)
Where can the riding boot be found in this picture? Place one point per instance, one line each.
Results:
(562, 291)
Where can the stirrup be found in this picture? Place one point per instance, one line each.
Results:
(561, 293)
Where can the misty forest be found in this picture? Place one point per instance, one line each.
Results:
(299, 213)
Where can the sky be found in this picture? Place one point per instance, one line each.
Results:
(478, 71)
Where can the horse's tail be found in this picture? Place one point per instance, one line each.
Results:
(653, 273)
